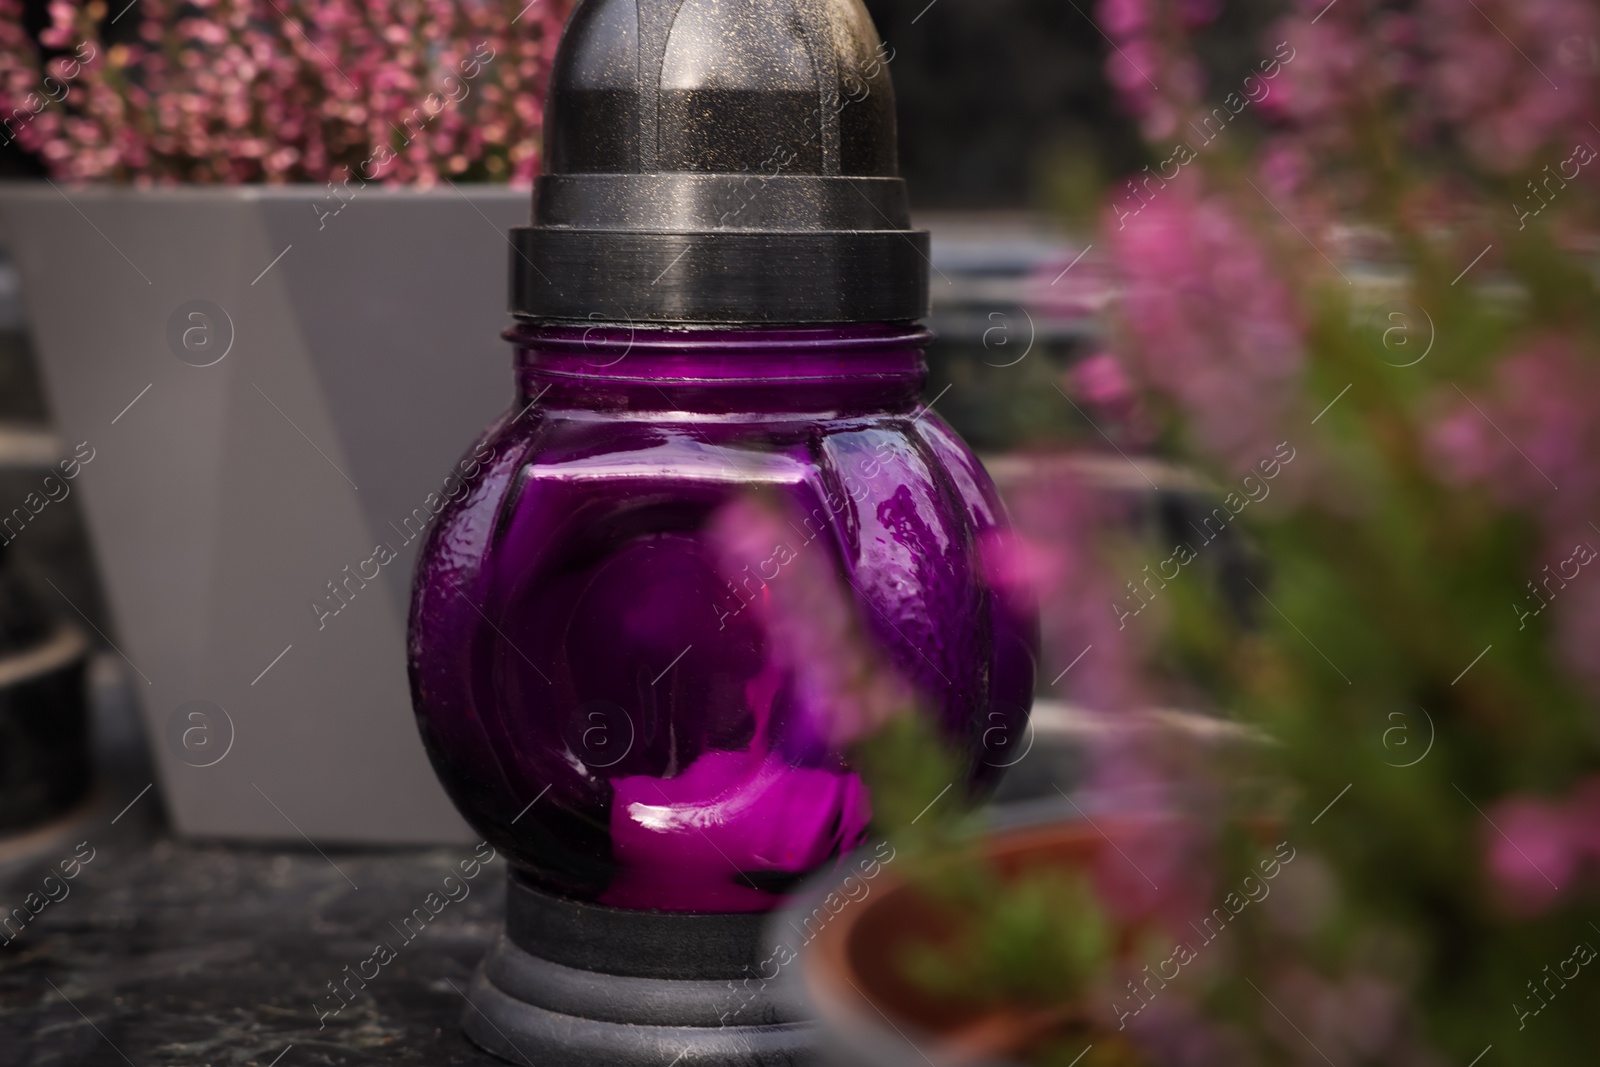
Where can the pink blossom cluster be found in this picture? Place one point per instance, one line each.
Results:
(1544, 850)
(1052, 558)
(1348, 53)
(1388, 141)
(1158, 79)
(1511, 76)
(1529, 438)
(1101, 383)
(1529, 441)
(1211, 322)
(1502, 78)
(844, 689)
(234, 91)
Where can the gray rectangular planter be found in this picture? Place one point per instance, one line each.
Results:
(269, 391)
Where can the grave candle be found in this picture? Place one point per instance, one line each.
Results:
(719, 293)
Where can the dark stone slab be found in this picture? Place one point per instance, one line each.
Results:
(165, 953)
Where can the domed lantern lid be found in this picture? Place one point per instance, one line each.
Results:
(722, 162)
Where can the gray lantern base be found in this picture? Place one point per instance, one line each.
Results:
(582, 985)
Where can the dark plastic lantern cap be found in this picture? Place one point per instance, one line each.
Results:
(720, 161)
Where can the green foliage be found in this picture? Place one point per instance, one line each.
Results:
(1039, 939)
(918, 782)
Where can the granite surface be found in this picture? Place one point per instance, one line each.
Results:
(170, 953)
(174, 953)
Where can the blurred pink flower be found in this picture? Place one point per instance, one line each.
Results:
(1101, 381)
(1499, 74)
(814, 641)
(1331, 66)
(1211, 322)
(1159, 869)
(1544, 849)
(1055, 550)
(1123, 18)
(1460, 448)
(1529, 440)
(1530, 437)
(1285, 167)
(1143, 59)
(1012, 563)
(1102, 387)
(1532, 853)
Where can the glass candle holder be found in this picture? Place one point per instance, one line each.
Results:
(718, 296)
(592, 690)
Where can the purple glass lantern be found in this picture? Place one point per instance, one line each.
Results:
(718, 294)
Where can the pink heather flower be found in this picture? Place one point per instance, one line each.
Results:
(1545, 848)
(1123, 18)
(1530, 438)
(1010, 562)
(1143, 59)
(1285, 168)
(1398, 58)
(1499, 78)
(1101, 385)
(1460, 448)
(289, 90)
(1054, 555)
(1329, 66)
(1131, 67)
(1158, 871)
(1088, 622)
(842, 685)
(1101, 380)
(1533, 857)
(1210, 321)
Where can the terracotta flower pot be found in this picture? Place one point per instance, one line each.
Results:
(852, 937)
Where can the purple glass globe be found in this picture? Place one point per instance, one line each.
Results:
(592, 694)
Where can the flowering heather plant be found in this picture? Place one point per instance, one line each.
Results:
(275, 91)
(1389, 270)
(1358, 292)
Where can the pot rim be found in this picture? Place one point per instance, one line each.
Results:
(42, 189)
(825, 976)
